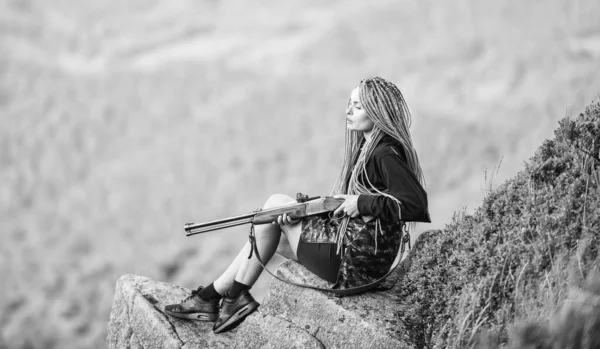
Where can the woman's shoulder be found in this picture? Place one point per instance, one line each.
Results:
(388, 147)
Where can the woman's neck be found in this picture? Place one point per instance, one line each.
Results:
(367, 134)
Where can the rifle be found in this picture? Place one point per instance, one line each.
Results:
(303, 207)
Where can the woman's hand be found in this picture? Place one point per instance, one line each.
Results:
(349, 207)
(284, 219)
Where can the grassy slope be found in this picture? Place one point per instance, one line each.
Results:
(121, 121)
(526, 250)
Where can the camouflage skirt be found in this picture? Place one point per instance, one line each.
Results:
(364, 257)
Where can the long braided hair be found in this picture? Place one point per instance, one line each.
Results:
(385, 106)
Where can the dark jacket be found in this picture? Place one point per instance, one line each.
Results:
(388, 172)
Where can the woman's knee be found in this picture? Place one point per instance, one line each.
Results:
(277, 200)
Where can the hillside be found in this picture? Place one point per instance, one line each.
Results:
(121, 121)
(530, 250)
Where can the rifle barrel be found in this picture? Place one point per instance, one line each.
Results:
(293, 210)
(197, 228)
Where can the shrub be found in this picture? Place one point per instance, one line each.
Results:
(533, 240)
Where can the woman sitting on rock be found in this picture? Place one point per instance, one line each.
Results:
(382, 184)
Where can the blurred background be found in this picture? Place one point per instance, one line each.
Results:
(122, 120)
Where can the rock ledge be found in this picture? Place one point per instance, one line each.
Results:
(289, 317)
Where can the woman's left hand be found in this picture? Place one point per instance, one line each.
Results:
(349, 207)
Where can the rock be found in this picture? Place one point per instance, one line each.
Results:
(360, 321)
(290, 317)
(267, 331)
(137, 321)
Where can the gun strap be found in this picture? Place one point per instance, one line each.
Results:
(404, 239)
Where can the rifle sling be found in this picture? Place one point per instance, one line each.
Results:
(337, 292)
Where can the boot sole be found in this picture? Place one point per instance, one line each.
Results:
(195, 316)
(237, 317)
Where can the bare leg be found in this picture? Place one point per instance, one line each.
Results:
(284, 248)
(247, 271)
(223, 283)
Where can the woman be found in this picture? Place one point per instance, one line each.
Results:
(382, 184)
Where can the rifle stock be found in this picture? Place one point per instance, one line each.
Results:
(294, 211)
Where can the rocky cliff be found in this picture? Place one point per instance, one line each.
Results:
(290, 317)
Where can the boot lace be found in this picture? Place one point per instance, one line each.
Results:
(192, 295)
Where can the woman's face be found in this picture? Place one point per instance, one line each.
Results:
(356, 116)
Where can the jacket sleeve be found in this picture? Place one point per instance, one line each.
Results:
(402, 184)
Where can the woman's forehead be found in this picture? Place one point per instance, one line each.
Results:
(355, 94)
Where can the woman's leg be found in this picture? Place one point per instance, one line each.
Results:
(247, 271)
(284, 249)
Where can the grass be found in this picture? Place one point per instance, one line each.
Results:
(523, 269)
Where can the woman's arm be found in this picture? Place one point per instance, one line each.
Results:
(402, 184)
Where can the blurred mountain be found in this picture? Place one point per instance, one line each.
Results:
(121, 121)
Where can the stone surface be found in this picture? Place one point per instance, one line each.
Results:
(137, 321)
(267, 331)
(360, 321)
(290, 316)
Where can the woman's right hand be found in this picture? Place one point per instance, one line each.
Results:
(284, 219)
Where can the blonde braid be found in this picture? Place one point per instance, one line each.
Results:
(386, 107)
